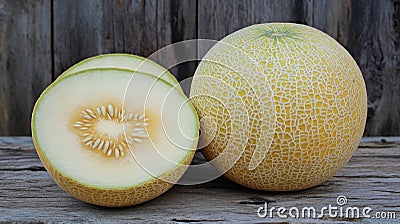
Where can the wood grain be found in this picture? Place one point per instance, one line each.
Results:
(371, 178)
(40, 39)
(332, 17)
(25, 61)
(218, 18)
(87, 28)
(176, 21)
(374, 43)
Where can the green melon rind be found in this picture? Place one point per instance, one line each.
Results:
(64, 180)
(167, 76)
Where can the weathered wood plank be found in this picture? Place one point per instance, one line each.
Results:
(86, 28)
(176, 21)
(218, 18)
(371, 178)
(332, 17)
(25, 61)
(374, 42)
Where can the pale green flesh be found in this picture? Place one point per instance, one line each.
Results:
(173, 127)
(123, 61)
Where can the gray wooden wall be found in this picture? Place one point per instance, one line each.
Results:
(41, 38)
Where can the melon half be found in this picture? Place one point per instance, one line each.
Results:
(285, 100)
(114, 137)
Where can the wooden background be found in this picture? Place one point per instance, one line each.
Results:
(41, 38)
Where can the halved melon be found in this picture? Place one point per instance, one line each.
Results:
(122, 61)
(114, 137)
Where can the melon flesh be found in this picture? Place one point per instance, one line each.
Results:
(172, 133)
(123, 61)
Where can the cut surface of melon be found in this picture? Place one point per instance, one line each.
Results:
(122, 61)
(112, 129)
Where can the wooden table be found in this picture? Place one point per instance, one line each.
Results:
(370, 179)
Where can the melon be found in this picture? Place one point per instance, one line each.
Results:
(114, 137)
(283, 104)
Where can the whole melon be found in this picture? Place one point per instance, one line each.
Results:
(283, 106)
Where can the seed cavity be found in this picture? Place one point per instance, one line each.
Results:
(135, 125)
